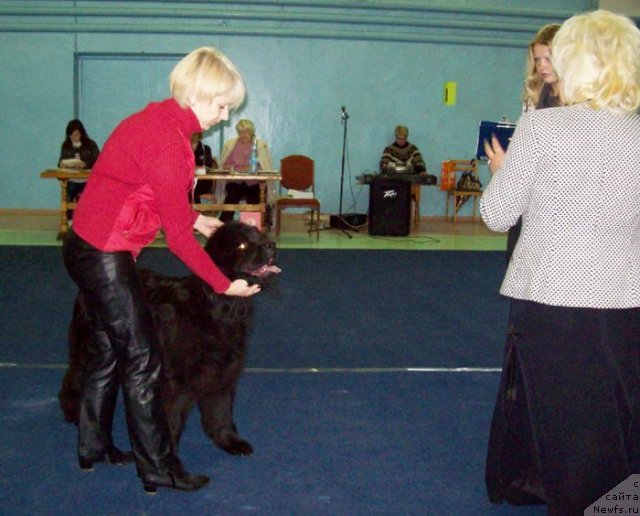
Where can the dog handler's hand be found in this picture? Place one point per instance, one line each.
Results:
(495, 153)
(207, 225)
(241, 288)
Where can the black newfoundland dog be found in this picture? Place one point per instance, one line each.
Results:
(202, 335)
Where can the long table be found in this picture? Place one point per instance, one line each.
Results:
(64, 175)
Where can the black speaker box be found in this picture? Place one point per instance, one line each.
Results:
(389, 207)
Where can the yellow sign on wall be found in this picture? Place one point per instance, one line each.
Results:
(450, 93)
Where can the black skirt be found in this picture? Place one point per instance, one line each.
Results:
(565, 425)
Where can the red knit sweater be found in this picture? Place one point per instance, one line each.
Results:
(141, 182)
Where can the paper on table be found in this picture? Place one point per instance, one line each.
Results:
(72, 163)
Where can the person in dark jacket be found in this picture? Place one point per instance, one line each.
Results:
(78, 151)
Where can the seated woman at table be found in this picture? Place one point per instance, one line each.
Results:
(236, 155)
(78, 151)
(204, 160)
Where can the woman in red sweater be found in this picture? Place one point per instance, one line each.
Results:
(142, 181)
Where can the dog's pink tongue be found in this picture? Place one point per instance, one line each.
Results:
(268, 269)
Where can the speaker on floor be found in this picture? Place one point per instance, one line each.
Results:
(389, 207)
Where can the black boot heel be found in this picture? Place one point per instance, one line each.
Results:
(85, 464)
(117, 457)
(150, 490)
(113, 456)
(177, 479)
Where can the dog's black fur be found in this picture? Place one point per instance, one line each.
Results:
(202, 335)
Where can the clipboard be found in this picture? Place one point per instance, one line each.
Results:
(502, 130)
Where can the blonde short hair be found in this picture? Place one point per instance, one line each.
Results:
(402, 131)
(245, 124)
(597, 58)
(204, 74)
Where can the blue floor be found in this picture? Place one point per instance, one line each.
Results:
(328, 443)
(369, 390)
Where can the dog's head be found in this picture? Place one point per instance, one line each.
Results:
(243, 252)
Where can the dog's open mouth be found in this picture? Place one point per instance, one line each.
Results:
(267, 269)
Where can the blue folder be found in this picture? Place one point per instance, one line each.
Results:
(502, 130)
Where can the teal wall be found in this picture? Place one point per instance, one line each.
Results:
(385, 61)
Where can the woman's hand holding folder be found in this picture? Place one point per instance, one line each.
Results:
(495, 153)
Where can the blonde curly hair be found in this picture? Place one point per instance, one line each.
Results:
(597, 57)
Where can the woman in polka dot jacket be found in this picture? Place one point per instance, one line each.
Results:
(573, 174)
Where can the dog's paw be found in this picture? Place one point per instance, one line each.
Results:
(237, 447)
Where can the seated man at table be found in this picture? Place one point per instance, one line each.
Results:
(236, 155)
(402, 156)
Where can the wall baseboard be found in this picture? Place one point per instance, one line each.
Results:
(29, 212)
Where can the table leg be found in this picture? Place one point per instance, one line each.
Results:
(64, 223)
(263, 206)
(415, 198)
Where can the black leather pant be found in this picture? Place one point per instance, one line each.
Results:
(124, 351)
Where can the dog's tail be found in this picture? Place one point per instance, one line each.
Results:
(69, 397)
(71, 388)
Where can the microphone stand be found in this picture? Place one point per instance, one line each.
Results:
(338, 222)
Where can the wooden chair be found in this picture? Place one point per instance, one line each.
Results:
(297, 173)
(457, 168)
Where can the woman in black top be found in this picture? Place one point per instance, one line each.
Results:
(84, 152)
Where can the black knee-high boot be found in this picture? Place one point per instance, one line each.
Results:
(97, 407)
